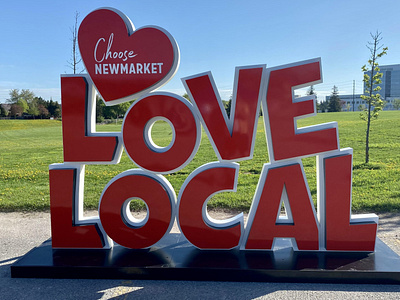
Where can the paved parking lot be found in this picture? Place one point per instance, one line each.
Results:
(20, 232)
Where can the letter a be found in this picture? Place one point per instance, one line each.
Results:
(264, 223)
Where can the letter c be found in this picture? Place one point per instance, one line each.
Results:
(95, 51)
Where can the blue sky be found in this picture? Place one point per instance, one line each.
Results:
(212, 36)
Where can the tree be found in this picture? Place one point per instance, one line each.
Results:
(99, 109)
(14, 95)
(110, 112)
(75, 60)
(33, 108)
(43, 111)
(23, 105)
(54, 108)
(228, 107)
(24, 99)
(3, 112)
(15, 110)
(121, 109)
(27, 95)
(396, 103)
(40, 100)
(323, 106)
(311, 91)
(24, 94)
(334, 103)
(372, 79)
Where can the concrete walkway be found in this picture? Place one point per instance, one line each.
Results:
(20, 232)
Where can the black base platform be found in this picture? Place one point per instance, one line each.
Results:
(176, 259)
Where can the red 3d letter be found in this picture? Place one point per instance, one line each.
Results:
(115, 215)
(264, 224)
(81, 142)
(282, 109)
(233, 138)
(185, 126)
(69, 229)
(195, 223)
(344, 232)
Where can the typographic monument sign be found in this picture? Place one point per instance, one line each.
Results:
(125, 64)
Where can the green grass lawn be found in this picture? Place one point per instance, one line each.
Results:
(28, 147)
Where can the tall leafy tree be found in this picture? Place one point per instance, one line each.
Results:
(27, 95)
(25, 99)
(372, 79)
(23, 104)
(16, 95)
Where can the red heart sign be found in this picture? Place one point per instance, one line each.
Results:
(123, 63)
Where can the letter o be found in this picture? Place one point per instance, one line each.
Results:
(185, 125)
(160, 200)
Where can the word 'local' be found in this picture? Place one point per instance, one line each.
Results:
(282, 180)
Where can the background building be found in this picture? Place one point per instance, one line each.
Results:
(390, 90)
(349, 104)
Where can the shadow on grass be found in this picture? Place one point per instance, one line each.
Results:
(369, 166)
(393, 207)
(395, 196)
(253, 171)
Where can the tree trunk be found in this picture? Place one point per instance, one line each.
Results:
(367, 139)
(369, 103)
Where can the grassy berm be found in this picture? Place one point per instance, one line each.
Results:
(28, 147)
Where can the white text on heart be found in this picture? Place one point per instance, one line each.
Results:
(132, 68)
(124, 55)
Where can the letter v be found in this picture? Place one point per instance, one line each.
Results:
(233, 141)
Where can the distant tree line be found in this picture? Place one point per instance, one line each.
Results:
(333, 104)
(24, 104)
(114, 112)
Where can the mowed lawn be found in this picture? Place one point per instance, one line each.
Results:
(28, 147)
